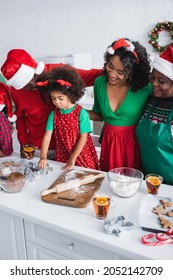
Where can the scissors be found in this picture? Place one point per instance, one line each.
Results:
(159, 238)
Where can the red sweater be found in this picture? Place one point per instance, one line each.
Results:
(32, 109)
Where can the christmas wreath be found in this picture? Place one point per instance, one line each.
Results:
(154, 35)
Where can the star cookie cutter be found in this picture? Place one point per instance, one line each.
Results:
(117, 226)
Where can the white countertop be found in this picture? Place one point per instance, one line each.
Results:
(81, 223)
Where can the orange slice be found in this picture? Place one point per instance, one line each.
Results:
(155, 181)
(101, 200)
(28, 149)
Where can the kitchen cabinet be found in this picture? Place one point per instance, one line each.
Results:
(42, 241)
(12, 238)
(21, 239)
(37, 252)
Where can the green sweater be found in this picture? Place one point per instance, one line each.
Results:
(129, 112)
(2, 79)
(84, 120)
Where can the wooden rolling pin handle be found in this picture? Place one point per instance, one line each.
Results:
(45, 192)
(56, 189)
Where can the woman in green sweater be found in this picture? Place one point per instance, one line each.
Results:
(119, 99)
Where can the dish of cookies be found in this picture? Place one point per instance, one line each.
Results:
(13, 183)
(9, 164)
(156, 213)
(12, 177)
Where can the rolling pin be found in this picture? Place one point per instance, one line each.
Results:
(75, 183)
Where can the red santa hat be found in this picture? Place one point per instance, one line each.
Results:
(19, 68)
(5, 100)
(164, 63)
(123, 43)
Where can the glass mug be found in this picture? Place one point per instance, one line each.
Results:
(101, 203)
(28, 150)
(153, 182)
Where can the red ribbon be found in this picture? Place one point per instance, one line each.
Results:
(42, 84)
(63, 83)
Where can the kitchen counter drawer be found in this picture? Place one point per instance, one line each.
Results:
(63, 244)
(36, 252)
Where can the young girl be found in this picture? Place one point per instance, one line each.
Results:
(69, 122)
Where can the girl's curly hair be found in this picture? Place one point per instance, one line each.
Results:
(137, 73)
(66, 73)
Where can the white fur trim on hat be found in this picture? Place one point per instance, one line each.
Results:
(163, 66)
(110, 50)
(2, 107)
(13, 118)
(40, 67)
(131, 46)
(22, 77)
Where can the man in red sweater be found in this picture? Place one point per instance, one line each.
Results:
(31, 107)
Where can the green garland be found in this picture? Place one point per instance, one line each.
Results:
(154, 35)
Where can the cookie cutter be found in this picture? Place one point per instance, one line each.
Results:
(32, 170)
(117, 226)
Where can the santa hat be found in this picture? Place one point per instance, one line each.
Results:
(164, 63)
(19, 68)
(5, 100)
(122, 43)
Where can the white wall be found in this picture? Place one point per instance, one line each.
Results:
(50, 27)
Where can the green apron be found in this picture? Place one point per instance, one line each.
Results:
(156, 146)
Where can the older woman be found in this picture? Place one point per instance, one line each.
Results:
(155, 130)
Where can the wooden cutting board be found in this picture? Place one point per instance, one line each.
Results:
(78, 197)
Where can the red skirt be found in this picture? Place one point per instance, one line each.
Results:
(120, 147)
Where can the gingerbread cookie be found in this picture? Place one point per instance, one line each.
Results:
(170, 213)
(159, 210)
(166, 203)
(10, 163)
(165, 223)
